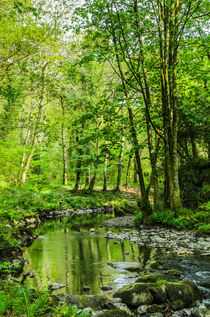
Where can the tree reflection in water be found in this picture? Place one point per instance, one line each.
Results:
(79, 258)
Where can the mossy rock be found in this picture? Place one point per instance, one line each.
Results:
(135, 294)
(178, 295)
(133, 269)
(182, 294)
(113, 313)
(95, 302)
(154, 278)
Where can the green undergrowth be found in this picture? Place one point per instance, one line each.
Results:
(185, 219)
(17, 204)
(18, 300)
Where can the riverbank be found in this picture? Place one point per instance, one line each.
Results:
(21, 213)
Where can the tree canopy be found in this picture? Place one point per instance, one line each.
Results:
(106, 94)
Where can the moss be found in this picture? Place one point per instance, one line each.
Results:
(160, 282)
(133, 269)
(113, 313)
(178, 304)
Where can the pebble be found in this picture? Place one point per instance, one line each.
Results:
(180, 242)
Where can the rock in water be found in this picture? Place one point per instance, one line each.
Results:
(55, 286)
(179, 294)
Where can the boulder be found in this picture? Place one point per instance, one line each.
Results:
(178, 295)
(96, 302)
(135, 294)
(55, 286)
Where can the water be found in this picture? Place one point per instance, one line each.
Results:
(192, 268)
(77, 258)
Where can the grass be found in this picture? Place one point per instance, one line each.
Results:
(186, 219)
(18, 204)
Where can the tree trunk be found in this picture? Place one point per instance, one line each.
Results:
(144, 196)
(105, 168)
(65, 163)
(26, 164)
(119, 174)
(128, 168)
(87, 181)
(168, 34)
(79, 164)
(135, 173)
(154, 177)
(26, 138)
(194, 148)
(93, 179)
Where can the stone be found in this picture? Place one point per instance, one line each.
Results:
(182, 294)
(92, 230)
(143, 309)
(106, 288)
(200, 312)
(95, 302)
(178, 295)
(112, 313)
(55, 286)
(135, 295)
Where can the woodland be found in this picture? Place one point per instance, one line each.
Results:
(99, 99)
(114, 94)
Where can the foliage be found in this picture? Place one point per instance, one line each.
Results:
(69, 311)
(138, 217)
(191, 220)
(90, 107)
(7, 267)
(193, 175)
(23, 302)
(18, 300)
(204, 228)
(160, 282)
(8, 238)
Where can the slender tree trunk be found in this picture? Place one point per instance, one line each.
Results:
(87, 181)
(135, 173)
(105, 168)
(194, 148)
(105, 174)
(144, 195)
(119, 174)
(65, 163)
(79, 164)
(93, 179)
(128, 168)
(26, 164)
(27, 137)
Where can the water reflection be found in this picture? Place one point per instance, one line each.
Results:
(79, 258)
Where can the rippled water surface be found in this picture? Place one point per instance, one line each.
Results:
(79, 258)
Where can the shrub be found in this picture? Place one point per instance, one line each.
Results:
(7, 238)
(138, 217)
(204, 228)
(164, 217)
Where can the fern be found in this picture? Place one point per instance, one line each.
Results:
(3, 302)
(38, 307)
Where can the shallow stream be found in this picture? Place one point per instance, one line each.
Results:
(78, 258)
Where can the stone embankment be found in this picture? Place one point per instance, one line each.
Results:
(53, 214)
